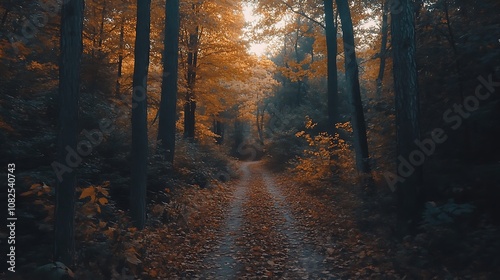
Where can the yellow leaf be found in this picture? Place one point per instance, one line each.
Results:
(90, 191)
(98, 208)
(34, 186)
(102, 224)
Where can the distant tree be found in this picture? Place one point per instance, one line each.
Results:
(139, 115)
(332, 84)
(192, 65)
(212, 56)
(353, 88)
(407, 110)
(120, 56)
(383, 48)
(69, 89)
(168, 105)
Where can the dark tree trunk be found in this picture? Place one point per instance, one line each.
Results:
(352, 78)
(331, 45)
(139, 116)
(168, 105)
(458, 69)
(219, 130)
(120, 55)
(456, 55)
(285, 79)
(298, 99)
(259, 120)
(383, 50)
(69, 89)
(101, 28)
(190, 104)
(189, 119)
(407, 112)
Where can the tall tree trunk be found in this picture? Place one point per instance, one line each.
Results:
(332, 86)
(69, 90)
(298, 99)
(383, 49)
(168, 105)
(458, 69)
(190, 104)
(452, 41)
(139, 115)
(285, 60)
(259, 120)
(352, 77)
(101, 28)
(219, 130)
(407, 113)
(120, 55)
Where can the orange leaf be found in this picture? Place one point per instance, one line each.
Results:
(26, 193)
(103, 201)
(131, 256)
(90, 191)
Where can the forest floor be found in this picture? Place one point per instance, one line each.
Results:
(260, 237)
(261, 225)
(272, 229)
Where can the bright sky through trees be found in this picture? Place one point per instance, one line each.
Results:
(258, 49)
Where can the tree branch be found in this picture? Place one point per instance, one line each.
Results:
(303, 14)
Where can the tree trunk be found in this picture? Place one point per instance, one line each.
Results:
(190, 104)
(69, 90)
(139, 115)
(458, 69)
(259, 121)
(407, 113)
(352, 78)
(332, 83)
(168, 105)
(383, 50)
(219, 130)
(298, 99)
(101, 28)
(120, 55)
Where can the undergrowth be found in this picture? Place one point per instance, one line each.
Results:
(109, 247)
(325, 158)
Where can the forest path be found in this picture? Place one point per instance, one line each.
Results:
(260, 237)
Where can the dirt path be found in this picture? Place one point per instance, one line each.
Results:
(224, 260)
(261, 238)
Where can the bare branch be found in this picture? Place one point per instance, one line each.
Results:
(302, 14)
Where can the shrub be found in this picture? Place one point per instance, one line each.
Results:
(324, 156)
